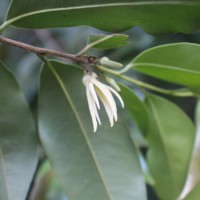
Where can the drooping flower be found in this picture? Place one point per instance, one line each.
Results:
(96, 90)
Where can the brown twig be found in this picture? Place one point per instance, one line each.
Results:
(41, 51)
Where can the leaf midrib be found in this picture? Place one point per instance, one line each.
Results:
(67, 96)
(138, 65)
(162, 140)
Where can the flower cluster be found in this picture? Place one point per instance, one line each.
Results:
(96, 90)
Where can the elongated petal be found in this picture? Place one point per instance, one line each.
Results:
(107, 106)
(96, 111)
(117, 95)
(92, 112)
(108, 111)
(94, 95)
(106, 92)
(85, 80)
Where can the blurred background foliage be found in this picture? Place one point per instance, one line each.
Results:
(26, 67)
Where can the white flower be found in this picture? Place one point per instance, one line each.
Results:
(94, 90)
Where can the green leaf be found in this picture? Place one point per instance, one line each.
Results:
(178, 63)
(89, 166)
(18, 156)
(113, 15)
(193, 177)
(171, 137)
(114, 41)
(194, 194)
(135, 107)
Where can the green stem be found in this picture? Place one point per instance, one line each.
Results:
(89, 46)
(3, 27)
(125, 69)
(180, 92)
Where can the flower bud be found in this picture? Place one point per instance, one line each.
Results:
(106, 62)
(113, 83)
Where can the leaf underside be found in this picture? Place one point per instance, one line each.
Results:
(110, 15)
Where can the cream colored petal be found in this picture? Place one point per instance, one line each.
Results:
(106, 92)
(108, 111)
(106, 106)
(96, 112)
(91, 109)
(94, 95)
(95, 89)
(85, 80)
(117, 95)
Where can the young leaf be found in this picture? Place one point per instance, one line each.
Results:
(135, 107)
(171, 137)
(113, 15)
(114, 41)
(178, 63)
(193, 177)
(18, 156)
(89, 166)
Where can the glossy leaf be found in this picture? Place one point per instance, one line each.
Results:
(194, 194)
(193, 177)
(113, 41)
(177, 63)
(171, 137)
(18, 157)
(111, 15)
(135, 107)
(89, 166)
